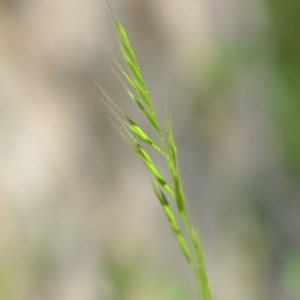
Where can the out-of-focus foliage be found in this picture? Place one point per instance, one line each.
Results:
(285, 28)
(136, 279)
(291, 273)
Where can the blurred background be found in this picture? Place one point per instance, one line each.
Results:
(78, 217)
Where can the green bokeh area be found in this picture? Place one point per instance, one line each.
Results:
(136, 279)
(291, 273)
(285, 26)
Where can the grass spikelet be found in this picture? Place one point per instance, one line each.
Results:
(139, 132)
(173, 223)
(152, 168)
(182, 226)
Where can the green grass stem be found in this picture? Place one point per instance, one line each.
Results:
(182, 226)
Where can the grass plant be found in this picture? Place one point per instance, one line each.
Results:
(177, 215)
